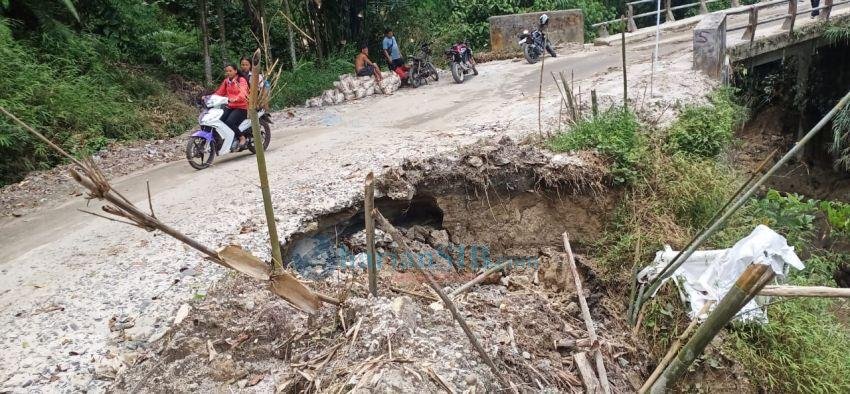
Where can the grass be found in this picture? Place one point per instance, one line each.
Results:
(308, 80)
(706, 130)
(614, 134)
(674, 181)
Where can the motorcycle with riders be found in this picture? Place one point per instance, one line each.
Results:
(534, 43)
(215, 138)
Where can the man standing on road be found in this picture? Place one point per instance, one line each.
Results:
(391, 50)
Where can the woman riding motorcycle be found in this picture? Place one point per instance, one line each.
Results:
(235, 88)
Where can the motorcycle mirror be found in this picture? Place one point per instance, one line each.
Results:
(525, 31)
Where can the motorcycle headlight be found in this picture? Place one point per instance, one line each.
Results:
(525, 31)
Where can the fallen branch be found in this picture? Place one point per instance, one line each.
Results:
(805, 291)
(399, 239)
(588, 320)
(588, 377)
(414, 293)
(478, 279)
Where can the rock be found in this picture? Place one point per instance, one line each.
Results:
(573, 309)
(475, 161)
(158, 335)
(526, 355)
(224, 369)
(181, 314)
(142, 330)
(623, 362)
(436, 306)
(404, 309)
(471, 380)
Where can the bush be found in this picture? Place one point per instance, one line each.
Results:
(76, 99)
(613, 133)
(706, 130)
(308, 80)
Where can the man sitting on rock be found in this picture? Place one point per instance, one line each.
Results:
(363, 67)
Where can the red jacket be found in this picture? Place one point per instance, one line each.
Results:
(235, 91)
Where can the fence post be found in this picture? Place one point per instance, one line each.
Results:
(750, 31)
(602, 30)
(788, 24)
(824, 13)
(631, 19)
(668, 17)
(703, 8)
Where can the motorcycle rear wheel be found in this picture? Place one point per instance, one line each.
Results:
(267, 137)
(457, 73)
(198, 153)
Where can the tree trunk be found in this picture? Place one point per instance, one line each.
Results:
(356, 19)
(206, 44)
(313, 11)
(253, 14)
(222, 34)
(289, 32)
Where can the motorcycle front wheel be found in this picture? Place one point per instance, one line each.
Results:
(433, 72)
(199, 153)
(267, 137)
(529, 54)
(457, 72)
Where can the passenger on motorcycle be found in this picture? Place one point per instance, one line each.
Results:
(246, 71)
(235, 88)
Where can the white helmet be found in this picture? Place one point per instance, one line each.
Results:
(544, 19)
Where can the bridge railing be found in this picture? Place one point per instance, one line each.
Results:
(789, 18)
(602, 27)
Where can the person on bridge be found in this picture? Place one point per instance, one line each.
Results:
(364, 67)
(815, 5)
(391, 50)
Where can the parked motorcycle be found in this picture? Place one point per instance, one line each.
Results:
(461, 61)
(215, 138)
(421, 68)
(533, 44)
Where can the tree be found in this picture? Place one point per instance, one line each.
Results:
(290, 33)
(205, 38)
(221, 32)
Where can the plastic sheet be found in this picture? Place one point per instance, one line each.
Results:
(709, 274)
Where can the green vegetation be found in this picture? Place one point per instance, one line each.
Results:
(804, 346)
(677, 181)
(307, 79)
(706, 130)
(613, 133)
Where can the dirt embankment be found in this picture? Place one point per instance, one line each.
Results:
(499, 197)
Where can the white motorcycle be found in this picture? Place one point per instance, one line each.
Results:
(216, 138)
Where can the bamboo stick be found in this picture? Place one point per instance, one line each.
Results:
(588, 320)
(674, 349)
(478, 279)
(676, 263)
(277, 257)
(805, 291)
(368, 204)
(745, 288)
(399, 239)
(594, 106)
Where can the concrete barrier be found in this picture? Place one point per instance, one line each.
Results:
(710, 44)
(564, 26)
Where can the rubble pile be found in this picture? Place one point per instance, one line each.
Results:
(350, 87)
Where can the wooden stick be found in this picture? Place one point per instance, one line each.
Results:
(540, 96)
(399, 239)
(296, 27)
(625, 78)
(745, 288)
(674, 349)
(805, 291)
(414, 293)
(594, 107)
(588, 377)
(588, 320)
(478, 279)
(369, 204)
(150, 201)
